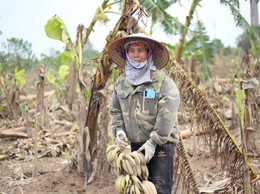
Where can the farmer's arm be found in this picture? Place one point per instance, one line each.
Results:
(117, 121)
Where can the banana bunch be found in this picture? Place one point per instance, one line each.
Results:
(132, 170)
(112, 152)
(131, 184)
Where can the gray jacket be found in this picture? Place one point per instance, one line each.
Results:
(148, 111)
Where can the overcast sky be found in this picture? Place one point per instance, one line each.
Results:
(26, 19)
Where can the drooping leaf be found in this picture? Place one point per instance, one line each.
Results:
(158, 13)
(56, 29)
(206, 115)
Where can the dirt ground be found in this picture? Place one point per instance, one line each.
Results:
(56, 177)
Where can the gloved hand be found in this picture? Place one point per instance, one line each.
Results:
(121, 139)
(149, 150)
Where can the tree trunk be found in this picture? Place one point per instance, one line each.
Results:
(14, 101)
(183, 35)
(72, 83)
(254, 13)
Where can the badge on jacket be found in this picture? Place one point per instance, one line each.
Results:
(149, 93)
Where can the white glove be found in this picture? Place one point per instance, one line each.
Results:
(149, 150)
(121, 139)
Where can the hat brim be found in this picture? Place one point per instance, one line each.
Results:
(117, 51)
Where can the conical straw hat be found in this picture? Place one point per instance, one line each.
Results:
(160, 53)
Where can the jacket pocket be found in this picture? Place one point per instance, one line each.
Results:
(149, 106)
(124, 100)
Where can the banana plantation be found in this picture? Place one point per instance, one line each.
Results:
(55, 134)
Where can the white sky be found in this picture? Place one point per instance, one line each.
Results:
(26, 19)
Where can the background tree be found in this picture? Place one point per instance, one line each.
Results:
(246, 42)
(17, 53)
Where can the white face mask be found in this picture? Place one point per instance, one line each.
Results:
(139, 73)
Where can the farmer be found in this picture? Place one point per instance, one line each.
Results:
(144, 105)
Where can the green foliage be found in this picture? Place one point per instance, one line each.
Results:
(240, 97)
(10, 80)
(201, 47)
(217, 46)
(252, 83)
(8, 84)
(63, 72)
(1, 68)
(248, 43)
(19, 77)
(52, 79)
(239, 19)
(157, 12)
(89, 52)
(22, 106)
(16, 53)
(86, 93)
(55, 61)
(57, 81)
(56, 29)
(116, 74)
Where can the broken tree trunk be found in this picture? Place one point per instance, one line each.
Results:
(19, 132)
(15, 101)
(40, 97)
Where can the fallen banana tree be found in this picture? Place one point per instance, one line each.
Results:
(184, 179)
(222, 142)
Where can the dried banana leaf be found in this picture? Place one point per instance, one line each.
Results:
(223, 143)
